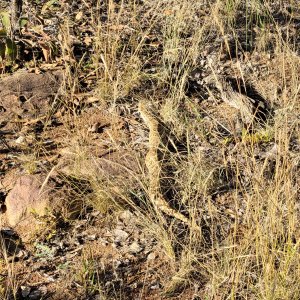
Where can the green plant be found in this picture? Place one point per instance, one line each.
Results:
(8, 45)
(44, 251)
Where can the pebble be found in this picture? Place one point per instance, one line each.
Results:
(25, 291)
(35, 295)
(95, 213)
(43, 290)
(126, 216)
(135, 248)
(154, 287)
(151, 256)
(120, 235)
(91, 237)
(20, 140)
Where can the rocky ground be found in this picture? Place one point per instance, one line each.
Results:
(223, 81)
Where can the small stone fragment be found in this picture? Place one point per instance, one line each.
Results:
(91, 237)
(20, 140)
(154, 287)
(151, 256)
(25, 291)
(43, 290)
(135, 248)
(11, 244)
(120, 235)
(35, 295)
(126, 216)
(95, 213)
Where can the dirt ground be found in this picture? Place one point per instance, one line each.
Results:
(78, 190)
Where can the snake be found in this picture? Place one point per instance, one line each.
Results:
(154, 167)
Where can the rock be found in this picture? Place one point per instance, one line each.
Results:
(120, 235)
(11, 244)
(135, 248)
(9, 180)
(20, 140)
(154, 287)
(35, 295)
(117, 264)
(23, 83)
(126, 216)
(27, 94)
(25, 291)
(95, 213)
(26, 197)
(43, 289)
(91, 237)
(151, 256)
(271, 153)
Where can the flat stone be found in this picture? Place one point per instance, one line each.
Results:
(26, 197)
(27, 94)
(120, 235)
(135, 248)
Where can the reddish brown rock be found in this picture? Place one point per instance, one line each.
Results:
(28, 196)
(26, 95)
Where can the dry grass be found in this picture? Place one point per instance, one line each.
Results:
(249, 243)
(243, 195)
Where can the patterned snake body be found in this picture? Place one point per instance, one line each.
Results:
(154, 167)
